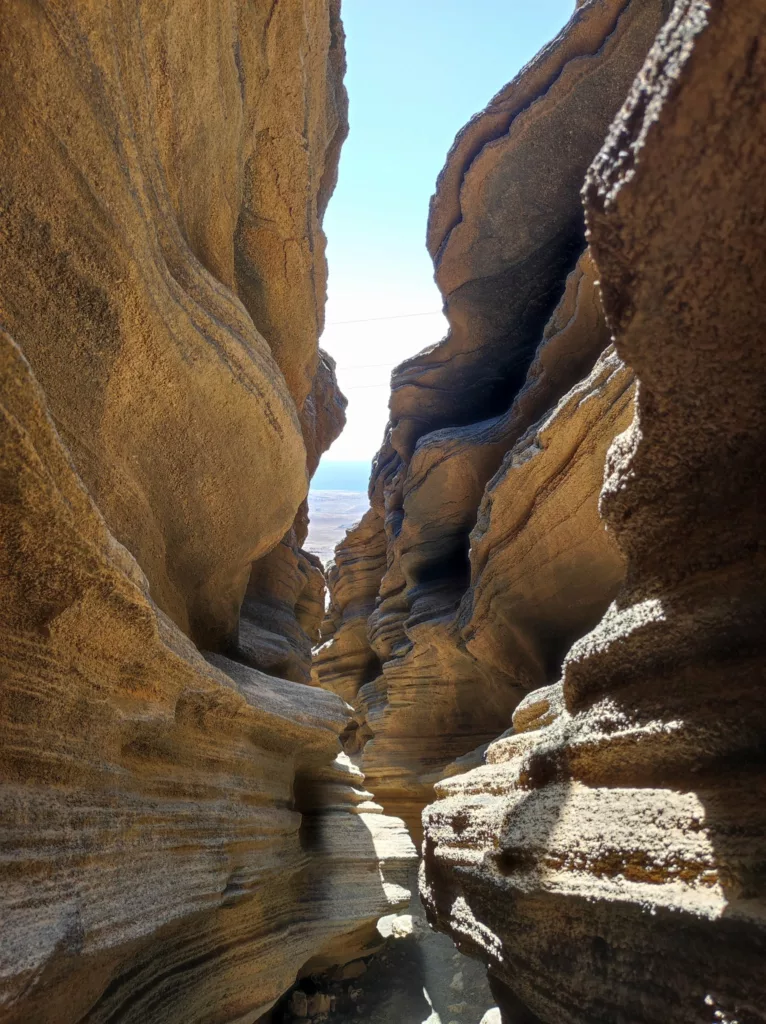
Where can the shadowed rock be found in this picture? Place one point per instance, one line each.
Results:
(155, 805)
(607, 861)
(486, 487)
(181, 836)
(506, 223)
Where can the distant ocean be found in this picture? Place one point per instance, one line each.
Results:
(342, 476)
(337, 500)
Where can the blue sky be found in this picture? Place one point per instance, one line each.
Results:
(417, 71)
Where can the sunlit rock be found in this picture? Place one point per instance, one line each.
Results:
(607, 861)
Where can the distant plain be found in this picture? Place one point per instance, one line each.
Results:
(337, 500)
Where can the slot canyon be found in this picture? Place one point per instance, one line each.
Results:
(507, 750)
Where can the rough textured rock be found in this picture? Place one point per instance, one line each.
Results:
(542, 566)
(283, 607)
(607, 862)
(167, 821)
(163, 266)
(346, 661)
(485, 491)
(181, 834)
(541, 570)
(282, 611)
(506, 221)
(440, 623)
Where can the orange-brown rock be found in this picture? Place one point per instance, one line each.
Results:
(486, 488)
(164, 173)
(283, 607)
(181, 833)
(168, 822)
(487, 556)
(607, 861)
(541, 570)
(282, 611)
(506, 222)
(345, 661)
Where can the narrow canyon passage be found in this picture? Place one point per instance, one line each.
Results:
(497, 758)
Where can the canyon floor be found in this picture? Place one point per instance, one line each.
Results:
(418, 977)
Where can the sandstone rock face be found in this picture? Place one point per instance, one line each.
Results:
(346, 661)
(283, 607)
(607, 860)
(167, 821)
(483, 556)
(281, 614)
(163, 266)
(506, 221)
(181, 834)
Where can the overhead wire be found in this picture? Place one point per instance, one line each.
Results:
(372, 319)
(374, 366)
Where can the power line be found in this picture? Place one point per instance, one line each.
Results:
(371, 319)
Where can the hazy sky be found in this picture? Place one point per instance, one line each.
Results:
(417, 71)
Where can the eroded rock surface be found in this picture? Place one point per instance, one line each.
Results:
(506, 222)
(163, 266)
(607, 861)
(181, 832)
(165, 857)
(483, 556)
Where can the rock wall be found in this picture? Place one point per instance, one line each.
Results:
(489, 555)
(549, 622)
(551, 617)
(181, 832)
(164, 267)
(607, 861)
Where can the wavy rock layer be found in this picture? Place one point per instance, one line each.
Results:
(181, 833)
(163, 266)
(483, 556)
(506, 223)
(607, 861)
(179, 839)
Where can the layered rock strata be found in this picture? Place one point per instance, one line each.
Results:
(483, 556)
(607, 861)
(163, 267)
(181, 834)
(506, 224)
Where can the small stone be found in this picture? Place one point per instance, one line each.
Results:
(402, 926)
(318, 1003)
(299, 1004)
(492, 1016)
(457, 982)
